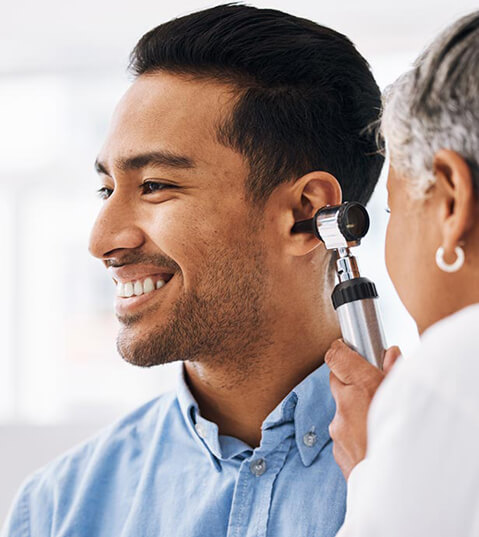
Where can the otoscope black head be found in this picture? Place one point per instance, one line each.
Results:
(353, 221)
(350, 220)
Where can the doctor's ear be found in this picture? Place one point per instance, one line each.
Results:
(455, 183)
(308, 194)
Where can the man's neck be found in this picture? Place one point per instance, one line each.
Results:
(238, 397)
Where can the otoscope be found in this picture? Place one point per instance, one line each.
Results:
(340, 228)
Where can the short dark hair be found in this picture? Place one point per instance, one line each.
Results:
(307, 98)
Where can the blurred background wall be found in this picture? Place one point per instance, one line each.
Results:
(62, 69)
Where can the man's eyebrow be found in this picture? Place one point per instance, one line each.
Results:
(154, 158)
(100, 168)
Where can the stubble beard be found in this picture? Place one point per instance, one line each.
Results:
(224, 323)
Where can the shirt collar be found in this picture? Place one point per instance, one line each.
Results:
(310, 405)
(314, 412)
(189, 409)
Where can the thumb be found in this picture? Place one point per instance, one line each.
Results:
(348, 366)
(392, 354)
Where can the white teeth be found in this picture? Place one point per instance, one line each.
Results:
(148, 286)
(128, 289)
(138, 288)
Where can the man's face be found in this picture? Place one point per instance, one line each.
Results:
(175, 219)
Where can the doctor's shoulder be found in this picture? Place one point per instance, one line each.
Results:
(447, 356)
(444, 366)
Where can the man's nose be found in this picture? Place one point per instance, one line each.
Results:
(114, 229)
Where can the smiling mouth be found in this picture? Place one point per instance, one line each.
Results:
(136, 288)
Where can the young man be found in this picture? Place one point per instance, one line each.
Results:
(240, 122)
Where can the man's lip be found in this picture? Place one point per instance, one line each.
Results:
(129, 273)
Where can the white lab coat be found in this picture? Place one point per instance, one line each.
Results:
(421, 473)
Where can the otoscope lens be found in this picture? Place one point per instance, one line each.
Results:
(354, 221)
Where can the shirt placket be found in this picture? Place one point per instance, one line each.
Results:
(254, 490)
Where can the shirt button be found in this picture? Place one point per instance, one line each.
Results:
(258, 467)
(310, 439)
(200, 430)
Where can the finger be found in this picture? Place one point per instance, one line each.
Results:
(348, 366)
(392, 354)
(341, 459)
(336, 386)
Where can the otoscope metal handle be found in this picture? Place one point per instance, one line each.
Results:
(361, 329)
(356, 305)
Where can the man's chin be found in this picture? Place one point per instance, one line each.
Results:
(141, 348)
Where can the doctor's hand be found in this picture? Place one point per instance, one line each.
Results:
(353, 382)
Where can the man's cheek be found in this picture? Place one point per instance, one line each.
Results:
(194, 260)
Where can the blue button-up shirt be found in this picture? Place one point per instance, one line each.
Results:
(164, 471)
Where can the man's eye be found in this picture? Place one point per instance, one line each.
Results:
(104, 192)
(150, 187)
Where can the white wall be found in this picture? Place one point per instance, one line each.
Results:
(24, 448)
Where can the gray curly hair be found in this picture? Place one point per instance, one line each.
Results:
(435, 106)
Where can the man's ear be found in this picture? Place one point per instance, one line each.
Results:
(308, 194)
(457, 199)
